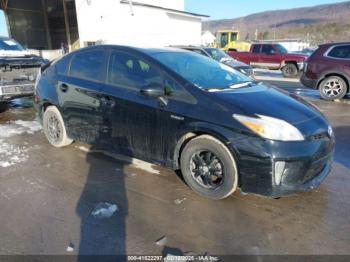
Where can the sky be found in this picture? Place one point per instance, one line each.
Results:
(3, 28)
(220, 9)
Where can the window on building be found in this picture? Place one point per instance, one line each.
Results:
(88, 65)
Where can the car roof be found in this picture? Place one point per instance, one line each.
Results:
(336, 43)
(151, 50)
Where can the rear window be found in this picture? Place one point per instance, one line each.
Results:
(88, 65)
(340, 52)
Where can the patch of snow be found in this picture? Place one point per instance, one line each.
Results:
(12, 154)
(179, 201)
(70, 248)
(19, 127)
(145, 166)
(162, 241)
(104, 210)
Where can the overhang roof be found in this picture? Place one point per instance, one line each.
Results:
(163, 8)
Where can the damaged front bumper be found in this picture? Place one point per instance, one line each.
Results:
(275, 169)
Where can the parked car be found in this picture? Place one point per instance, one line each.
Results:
(186, 111)
(306, 51)
(273, 57)
(18, 70)
(222, 57)
(328, 69)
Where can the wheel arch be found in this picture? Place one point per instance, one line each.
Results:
(334, 73)
(285, 62)
(189, 135)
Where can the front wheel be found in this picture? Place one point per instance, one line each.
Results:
(333, 87)
(209, 168)
(290, 70)
(54, 128)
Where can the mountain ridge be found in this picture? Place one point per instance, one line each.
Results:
(305, 20)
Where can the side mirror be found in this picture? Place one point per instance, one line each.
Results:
(153, 90)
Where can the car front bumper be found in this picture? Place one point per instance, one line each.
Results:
(305, 165)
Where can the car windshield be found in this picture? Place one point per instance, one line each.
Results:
(281, 49)
(203, 71)
(10, 45)
(218, 54)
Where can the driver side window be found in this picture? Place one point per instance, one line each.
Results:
(268, 49)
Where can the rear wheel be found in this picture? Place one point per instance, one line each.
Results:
(290, 70)
(209, 168)
(54, 128)
(333, 87)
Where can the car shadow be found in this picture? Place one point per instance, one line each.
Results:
(105, 185)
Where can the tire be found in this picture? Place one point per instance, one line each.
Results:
(333, 87)
(217, 178)
(290, 70)
(54, 128)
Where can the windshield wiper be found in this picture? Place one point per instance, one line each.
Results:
(241, 84)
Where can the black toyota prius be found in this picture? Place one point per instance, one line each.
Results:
(185, 111)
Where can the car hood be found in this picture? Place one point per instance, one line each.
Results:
(298, 57)
(270, 101)
(18, 58)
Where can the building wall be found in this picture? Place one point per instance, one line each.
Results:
(293, 46)
(111, 22)
(172, 4)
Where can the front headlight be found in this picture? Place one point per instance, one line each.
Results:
(270, 128)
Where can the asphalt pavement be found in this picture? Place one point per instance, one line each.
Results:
(77, 201)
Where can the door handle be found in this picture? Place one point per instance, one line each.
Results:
(64, 88)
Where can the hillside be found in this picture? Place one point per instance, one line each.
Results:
(317, 23)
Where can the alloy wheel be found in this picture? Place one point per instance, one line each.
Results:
(207, 169)
(333, 87)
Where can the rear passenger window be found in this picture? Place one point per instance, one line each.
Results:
(62, 65)
(88, 65)
(129, 71)
(256, 49)
(340, 52)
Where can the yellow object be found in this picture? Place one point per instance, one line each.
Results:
(226, 39)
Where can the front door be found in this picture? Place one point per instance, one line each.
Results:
(142, 126)
(269, 57)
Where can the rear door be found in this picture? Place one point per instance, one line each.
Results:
(79, 98)
(340, 59)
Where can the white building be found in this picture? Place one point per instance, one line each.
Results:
(208, 38)
(54, 24)
(137, 23)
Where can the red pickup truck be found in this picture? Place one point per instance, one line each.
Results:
(272, 56)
